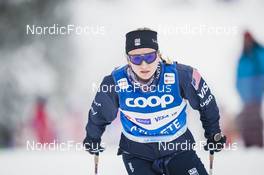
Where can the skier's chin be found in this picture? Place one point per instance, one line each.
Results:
(145, 77)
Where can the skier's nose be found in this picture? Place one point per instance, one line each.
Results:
(144, 64)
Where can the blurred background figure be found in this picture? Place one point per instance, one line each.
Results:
(250, 86)
(42, 125)
(31, 66)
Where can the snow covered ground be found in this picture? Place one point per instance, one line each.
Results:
(21, 162)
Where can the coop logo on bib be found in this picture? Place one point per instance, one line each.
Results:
(151, 101)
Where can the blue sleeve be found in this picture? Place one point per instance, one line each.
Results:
(103, 109)
(196, 91)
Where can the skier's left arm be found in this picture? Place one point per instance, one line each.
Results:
(197, 92)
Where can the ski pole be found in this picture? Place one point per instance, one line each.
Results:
(211, 159)
(217, 137)
(96, 161)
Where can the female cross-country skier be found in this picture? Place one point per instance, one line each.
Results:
(149, 94)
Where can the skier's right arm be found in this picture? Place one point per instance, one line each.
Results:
(103, 111)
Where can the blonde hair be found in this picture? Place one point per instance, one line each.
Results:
(165, 60)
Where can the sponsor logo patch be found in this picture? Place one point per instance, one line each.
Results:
(143, 121)
(137, 42)
(122, 83)
(152, 101)
(203, 91)
(159, 118)
(169, 78)
(207, 101)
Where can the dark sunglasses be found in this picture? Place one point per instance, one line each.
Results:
(138, 59)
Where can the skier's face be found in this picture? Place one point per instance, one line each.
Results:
(144, 70)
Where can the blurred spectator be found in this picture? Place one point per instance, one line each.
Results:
(41, 123)
(250, 86)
